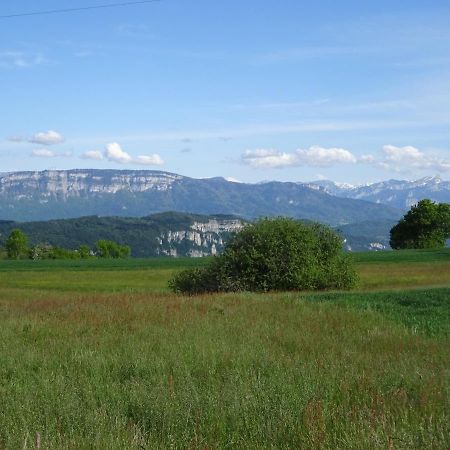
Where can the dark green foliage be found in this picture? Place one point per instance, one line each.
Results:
(195, 281)
(274, 255)
(426, 225)
(46, 251)
(16, 244)
(111, 249)
(141, 234)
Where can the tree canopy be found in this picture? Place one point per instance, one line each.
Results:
(16, 244)
(425, 225)
(273, 255)
(111, 249)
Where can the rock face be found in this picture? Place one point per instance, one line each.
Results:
(58, 194)
(78, 183)
(201, 239)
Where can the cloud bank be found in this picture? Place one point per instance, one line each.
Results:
(47, 153)
(391, 158)
(404, 159)
(314, 156)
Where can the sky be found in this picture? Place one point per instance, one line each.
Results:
(296, 90)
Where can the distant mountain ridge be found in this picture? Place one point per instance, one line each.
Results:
(58, 194)
(399, 194)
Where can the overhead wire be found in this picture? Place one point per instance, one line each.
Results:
(81, 8)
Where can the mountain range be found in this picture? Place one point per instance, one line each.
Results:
(123, 205)
(57, 194)
(399, 194)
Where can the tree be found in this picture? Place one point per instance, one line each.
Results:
(273, 255)
(426, 225)
(111, 249)
(84, 251)
(16, 244)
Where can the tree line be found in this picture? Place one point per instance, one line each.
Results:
(426, 225)
(17, 247)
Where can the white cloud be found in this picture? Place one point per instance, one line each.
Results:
(314, 156)
(263, 158)
(93, 154)
(149, 160)
(367, 159)
(115, 153)
(47, 138)
(398, 159)
(47, 153)
(43, 153)
(325, 157)
(408, 158)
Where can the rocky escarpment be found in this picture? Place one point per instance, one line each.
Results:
(201, 239)
(75, 183)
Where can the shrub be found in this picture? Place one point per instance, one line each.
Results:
(111, 249)
(274, 255)
(46, 251)
(84, 251)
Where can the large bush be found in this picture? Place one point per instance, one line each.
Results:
(273, 255)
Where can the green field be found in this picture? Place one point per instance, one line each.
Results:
(98, 354)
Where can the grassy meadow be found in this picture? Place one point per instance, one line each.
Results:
(98, 354)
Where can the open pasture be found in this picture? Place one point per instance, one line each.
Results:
(102, 356)
(384, 270)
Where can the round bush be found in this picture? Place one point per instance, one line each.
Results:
(274, 255)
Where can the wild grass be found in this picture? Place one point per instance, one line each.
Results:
(386, 270)
(247, 371)
(403, 256)
(103, 364)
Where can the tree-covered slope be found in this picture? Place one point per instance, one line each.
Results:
(165, 234)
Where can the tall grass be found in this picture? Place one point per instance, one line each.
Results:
(247, 371)
(99, 356)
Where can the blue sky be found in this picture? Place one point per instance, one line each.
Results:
(252, 90)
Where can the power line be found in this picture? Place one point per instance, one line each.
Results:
(69, 10)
